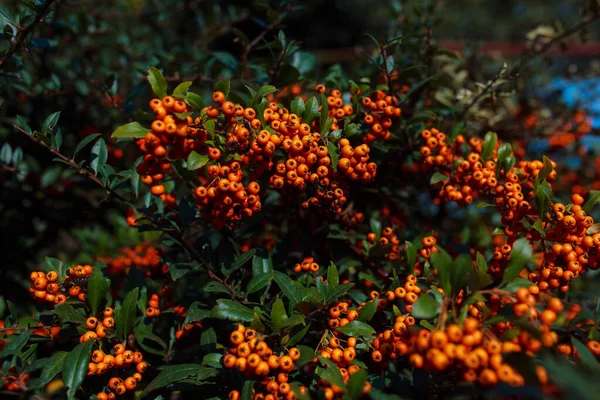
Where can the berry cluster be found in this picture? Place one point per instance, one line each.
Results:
(341, 356)
(255, 360)
(14, 382)
(153, 309)
(380, 110)
(46, 287)
(143, 256)
(119, 358)
(307, 264)
(97, 328)
(337, 110)
(341, 315)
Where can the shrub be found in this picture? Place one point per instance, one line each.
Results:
(383, 232)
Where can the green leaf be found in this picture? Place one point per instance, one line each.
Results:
(6, 154)
(181, 90)
(196, 160)
(426, 307)
(356, 384)
(247, 390)
(504, 151)
(297, 337)
(543, 197)
(15, 344)
(489, 145)
(298, 106)
(519, 256)
(585, 355)
(517, 283)
(592, 201)
(333, 155)
(242, 260)
(74, 368)
(68, 313)
(132, 130)
(98, 287)
(50, 123)
(333, 278)
(437, 177)
(461, 269)
(337, 292)
(331, 373)
(261, 263)
(176, 373)
(442, 262)
(311, 110)
(195, 313)
(351, 129)
(278, 315)
(195, 101)
(265, 90)
(290, 289)
(84, 142)
(258, 282)
(367, 311)
(324, 112)
(356, 328)
(223, 86)
(127, 314)
(99, 155)
(20, 123)
(232, 310)
(157, 82)
(53, 367)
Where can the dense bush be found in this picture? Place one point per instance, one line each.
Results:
(261, 224)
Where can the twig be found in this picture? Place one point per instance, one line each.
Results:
(17, 41)
(176, 235)
(74, 164)
(529, 56)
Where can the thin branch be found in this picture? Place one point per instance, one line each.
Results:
(79, 168)
(175, 235)
(530, 55)
(24, 32)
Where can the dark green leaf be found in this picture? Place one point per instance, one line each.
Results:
(278, 315)
(50, 123)
(298, 106)
(157, 82)
(489, 145)
(98, 287)
(68, 313)
(196, 160)
(333, 155)
(427, 307)
(443, 262)
(592, 201)
(290, 289)
(461, 268)
(53, 367)
(519, 256)
(127, 314)
(356, 384)
(585, 355)
(74, 368)
(311, 110)
(243, 259)
(232, 310)
(84, 142)
(258, 282)
(368, 310)
(181, 90)
(437, 177)
(337, 292)
(99, 155)
(223, 86)
(131, 130)
(356, 328)
(195, 101)
(333, 278)
(15, 344)
(176, 373)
